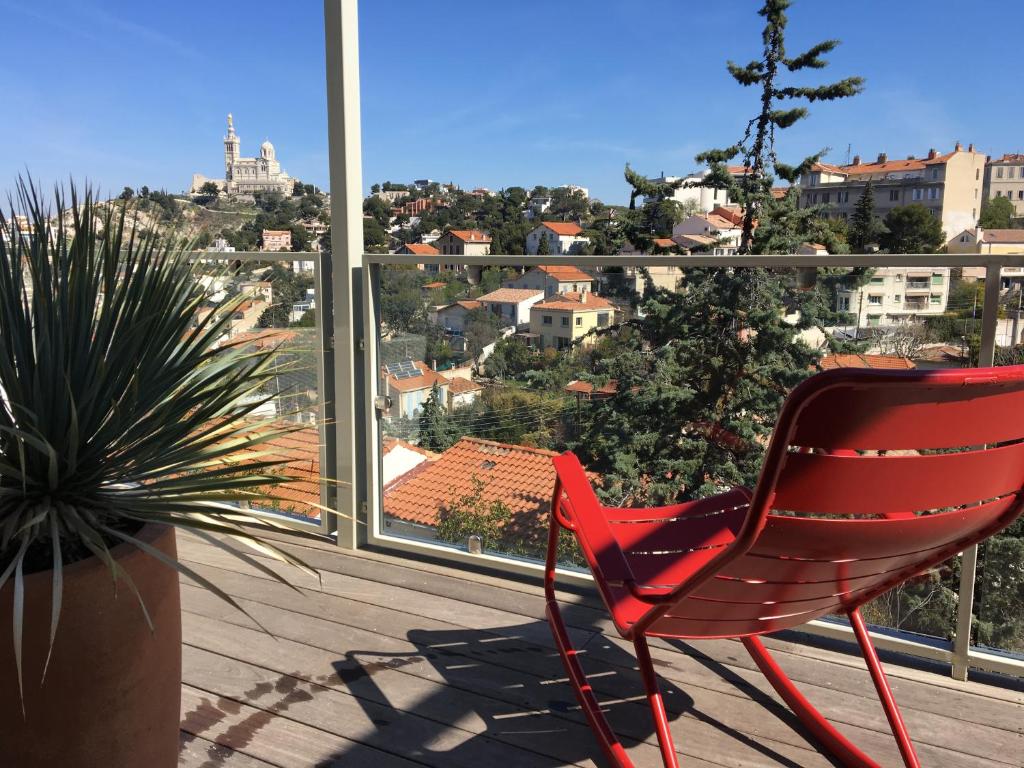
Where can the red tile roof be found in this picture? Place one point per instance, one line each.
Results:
(459, 386)
(586, 388)
(390, 443)
(1002, 236)
(896, 362)
(664, 242)
(731, 213)
(435, 284)
(576, 302)
(470, 235)
(426, 380)
(1010, 158)
(301, 452)
(562, 228)
(518, 476)
(264, 339)
(420, 249)
(468, 304)
(827, 168)
(511, 295)
(565, 274)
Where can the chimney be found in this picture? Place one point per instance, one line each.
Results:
(970, 147)
(932, 154)
(882, 157)
(856, 159)
(910, 157)
(958, 147)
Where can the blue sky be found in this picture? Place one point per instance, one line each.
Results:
(483, 93)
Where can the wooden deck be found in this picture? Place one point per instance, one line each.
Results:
(400, 663)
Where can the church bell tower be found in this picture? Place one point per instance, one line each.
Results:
(232, 148)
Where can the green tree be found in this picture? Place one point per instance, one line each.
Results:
(437, 432)
(865, 226)
(375, 238)
(543, 247)
(912, 229)
(126, 194)
(379, 209)
(209, 188)
(510, 359)
(996, 213)
(757, 146)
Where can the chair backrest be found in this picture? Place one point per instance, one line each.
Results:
(871, 477)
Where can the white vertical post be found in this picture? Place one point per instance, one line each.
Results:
(341, 43)
(969, 559)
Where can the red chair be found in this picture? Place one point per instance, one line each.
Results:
(835, 521)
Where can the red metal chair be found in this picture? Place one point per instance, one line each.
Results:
(835, 521)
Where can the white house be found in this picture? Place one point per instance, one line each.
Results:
(897, 294)
(453, 316)
(563, 237)
(462, 392)
(512, 305)
(552, 280)
(710, 225)
(705, 198)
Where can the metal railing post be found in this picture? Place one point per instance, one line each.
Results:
(341, 43)
(969, 559)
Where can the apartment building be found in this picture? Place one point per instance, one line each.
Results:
(897, 294)
(463, 242)
(706, 198)
(991, 241)
(710, 230)
(1005, 178)
(560, 320)
(512, 305)
(949, 185)
(277, 240)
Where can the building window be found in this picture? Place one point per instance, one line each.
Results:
(918, 193)
(602, 319)
(894, 195)
(877, 280)
(999, 193)
(873, 320)
(1009, 172)
(565, 321)
(935, 173)
(1020, 194)
(999, 173)
(875, 298)
(825, 197)
(844, 304)
(897, 298)
(935, 298)
(579, 321)
(547, 319)
(963, 238)
(814, 197)
(977, 174)
(933, 193)
(936, 278)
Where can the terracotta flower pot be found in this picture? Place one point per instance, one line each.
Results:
(112, 694)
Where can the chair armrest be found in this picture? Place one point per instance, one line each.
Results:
(592, 529)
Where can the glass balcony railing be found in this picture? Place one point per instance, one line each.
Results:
(486, 368)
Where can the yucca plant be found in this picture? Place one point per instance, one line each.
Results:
(118, 405)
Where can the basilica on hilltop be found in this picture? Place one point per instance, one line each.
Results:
(246, 175)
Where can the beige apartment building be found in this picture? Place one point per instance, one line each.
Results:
(560, 320)
(949, 185)
(277, 240)
(897, 294)
(1005, 178)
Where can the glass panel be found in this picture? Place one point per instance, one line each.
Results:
(278, 312)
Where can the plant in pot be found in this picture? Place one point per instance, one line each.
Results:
(123, 416)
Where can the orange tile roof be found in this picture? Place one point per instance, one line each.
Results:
(436, 284)
(565, 274)
(470, 235)
(301, 452)
(664, 242)
(516, 475)
(268, 337)
(459, 386)
(731, 213)
(830, 362)
(562, 228)
(1002, 236)
(586, 388)
(426, 380)
(698, 239)
(510, 295)
(827, 168)
(737, 170)
(421, 249)
(780, 192)
(1009, 158)
(575, 302)
(719, 222)
(889, 166)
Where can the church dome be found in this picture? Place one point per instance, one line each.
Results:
(267, 150)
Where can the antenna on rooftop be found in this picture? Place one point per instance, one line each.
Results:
(848, 148)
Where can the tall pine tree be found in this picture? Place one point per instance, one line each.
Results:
(753, 187)
(437, 431)
(702, 372)
(865, 226)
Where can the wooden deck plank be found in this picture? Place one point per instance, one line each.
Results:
(844, 685)
(197, 752)
(721, 720)
(392, 609)
(276, 739)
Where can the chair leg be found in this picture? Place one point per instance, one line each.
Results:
(892, 712)
(610, 745)
(668, 748)
(841, 747)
